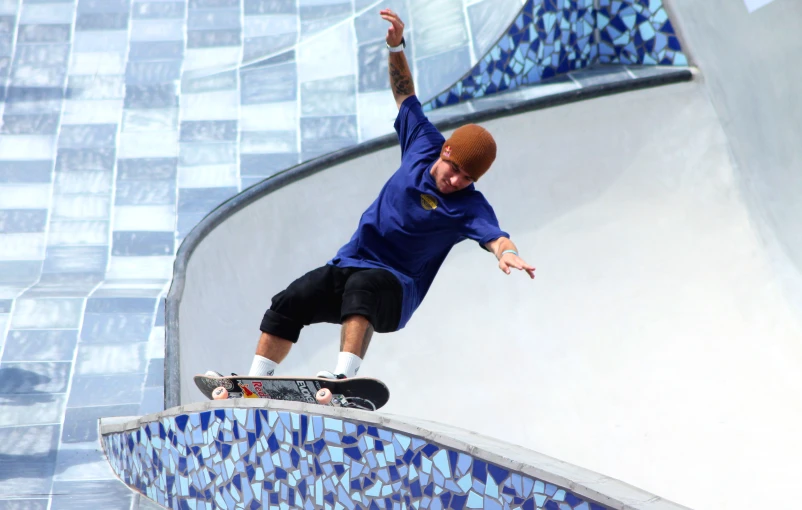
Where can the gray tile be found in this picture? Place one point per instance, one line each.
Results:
(371, 27)
(152, 401)
(42, 124)
(77, 136)
(24, 504)
(213, 19)
(270, 7)
(101, 21)
(17, 221)
(226, 80)
(80, 426)
(213, 4)
(264, 165)
(213, 38)
(261, 142)
(31, 409)
(102, 390)
(152, 72)
(6, 44)
(321, 135)
(142, 243)
(258, 47)
(158, 10)
(34, 378)
(19, 271)
(104, 5)
(7, 24)
(60, 285)
(47, 313)
(209, 131)
(160, 313)
(187, 221)
(335, 96)
(205, 153)
(373, 68)
(75, 259)
(111, 358)
(105, 494)
(40, 345)
(83, 182)
(120, 305)
(269, 84)
(203, 199)
(116, 327)
(151, 96)
(5, 305)
(438, 73)
(147, 169)
(150, 119)
(155, 50)
(155, 377)
(28, 100)
(145, 193)
(22, 172)
(38, 65)
(83, 160)
(96, 87)
(315, 17)
(80, 462)
(43, 34)
(28, 460)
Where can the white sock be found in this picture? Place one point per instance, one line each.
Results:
(348, 364)
(262, 366)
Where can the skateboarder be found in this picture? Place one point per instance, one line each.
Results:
(379, 278)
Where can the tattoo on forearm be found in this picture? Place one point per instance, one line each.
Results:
(400, 76)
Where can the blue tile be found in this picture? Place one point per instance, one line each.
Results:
(160, 313)
(68, 284)
(119, 327)
(226, 80)
(209, 131)
(253, 7)
(40, 65)
(151, 72)
(17, 221)
(158, 10)
(152, 401)
(104, 5)
(334, 96)
(266, 164)
(96, 87)
(155, 50)
(21, 99)
(155, 377)
(83, 160)
(40, 345)
(36, 377)
(106, 494)
(22, 172)
(19, 271)
(143, 243)
(42, 124)
(255, 48)
(75, 259)
(135, 169)
(5, 305)
(213, 19)
(42, 34)
(373, 69)
(213, 38)
(151, 96)
(315, 18)
(156, 192)
(203, 199)
(120, 305)
(269, 84)
(32, 451)
(101, 21)
(213, 4)
(204, 153)
(88, 136)
(321, 135)
(100, 390)
(437, 73)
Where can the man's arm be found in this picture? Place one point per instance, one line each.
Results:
(400, 76)
(507, 254)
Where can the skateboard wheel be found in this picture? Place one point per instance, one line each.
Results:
(323, 396)
(220, 393)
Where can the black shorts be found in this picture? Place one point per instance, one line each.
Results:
(330, 294)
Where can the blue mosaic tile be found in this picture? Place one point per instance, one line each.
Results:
(252, 458)
(554, 37)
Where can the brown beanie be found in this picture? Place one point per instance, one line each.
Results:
(472, 148)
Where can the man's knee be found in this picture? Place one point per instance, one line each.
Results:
(375, 294)
(294, 307)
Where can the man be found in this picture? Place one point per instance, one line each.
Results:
(379, 278)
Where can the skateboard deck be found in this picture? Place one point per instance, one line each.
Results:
(357, 393)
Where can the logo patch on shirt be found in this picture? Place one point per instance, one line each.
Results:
(428, 202)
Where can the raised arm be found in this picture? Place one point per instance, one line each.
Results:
(400, 75)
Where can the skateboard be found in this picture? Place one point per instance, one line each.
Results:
(358, 393)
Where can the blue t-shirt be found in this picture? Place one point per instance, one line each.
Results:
(411, 227)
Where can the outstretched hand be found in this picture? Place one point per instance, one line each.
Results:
(511, 260)
(396, 31)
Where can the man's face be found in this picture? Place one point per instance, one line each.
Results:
(449, 177)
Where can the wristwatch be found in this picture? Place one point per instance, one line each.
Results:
(397, 49)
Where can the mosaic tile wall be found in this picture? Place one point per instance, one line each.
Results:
(553, 37)
(247, 458)
(123, 123)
